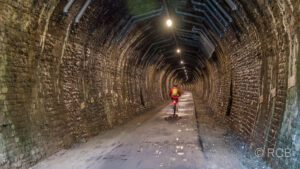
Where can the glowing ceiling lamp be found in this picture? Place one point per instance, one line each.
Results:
(169, 23)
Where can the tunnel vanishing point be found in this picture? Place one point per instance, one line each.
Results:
(71, 69)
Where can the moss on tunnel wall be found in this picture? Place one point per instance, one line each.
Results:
(289, 134)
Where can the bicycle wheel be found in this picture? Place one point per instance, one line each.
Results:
(174, 109)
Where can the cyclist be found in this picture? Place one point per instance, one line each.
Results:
(174, 93)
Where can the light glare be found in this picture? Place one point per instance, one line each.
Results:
(169, 23)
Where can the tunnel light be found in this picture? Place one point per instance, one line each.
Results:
(169, 23)
(181, 62)
(178, 50)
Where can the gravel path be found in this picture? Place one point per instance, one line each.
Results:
(152, 142)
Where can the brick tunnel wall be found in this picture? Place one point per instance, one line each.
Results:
(61, 84)
(250, 82)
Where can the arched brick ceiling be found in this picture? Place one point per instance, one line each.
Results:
(198, 27)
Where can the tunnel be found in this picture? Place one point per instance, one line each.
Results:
(85, 84)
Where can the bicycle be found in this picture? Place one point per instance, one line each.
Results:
(175, 101)
(175, 108)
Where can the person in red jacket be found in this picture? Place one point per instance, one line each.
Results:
(175, 93)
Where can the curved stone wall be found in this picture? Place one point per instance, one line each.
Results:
(248, 84)
(62, 82)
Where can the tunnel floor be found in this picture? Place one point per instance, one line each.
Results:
(151, 142)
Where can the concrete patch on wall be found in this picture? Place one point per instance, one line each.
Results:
(292, 81)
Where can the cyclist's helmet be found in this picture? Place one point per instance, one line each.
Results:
(175, 85)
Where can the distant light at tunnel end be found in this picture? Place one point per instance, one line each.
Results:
(181, 62)
(169, 23)
(178, 50)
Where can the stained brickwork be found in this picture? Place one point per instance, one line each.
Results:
(63, 83)
(257, 66)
